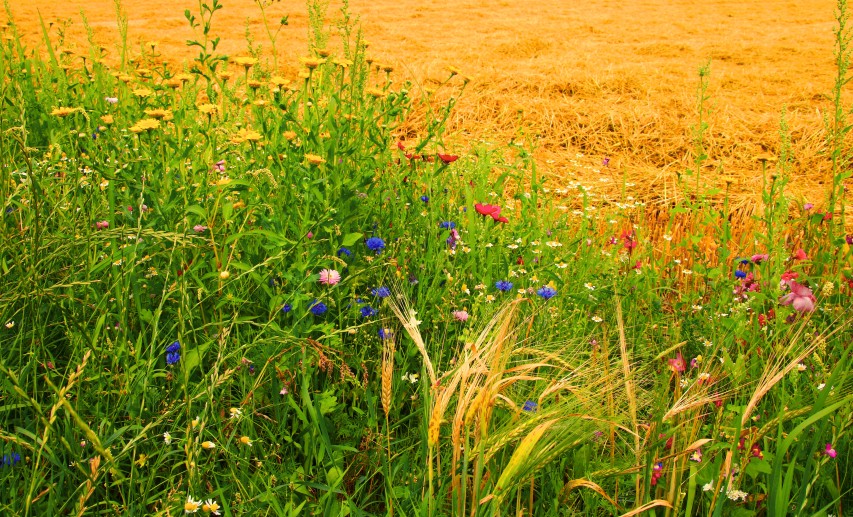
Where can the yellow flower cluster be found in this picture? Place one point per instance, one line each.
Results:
(246, 135)
(146, 124)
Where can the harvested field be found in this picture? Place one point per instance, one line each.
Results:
(605, 78)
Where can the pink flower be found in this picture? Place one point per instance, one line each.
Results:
(678, 364)
(800, 255)
(492, 211)
(460, 315)
(829, 451)
(102, 225)
(759, 258)
(309, 235)
(219, 166)
(199, 228)
(329, 277)
(800, 297)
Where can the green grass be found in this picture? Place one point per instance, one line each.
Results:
(205, 231)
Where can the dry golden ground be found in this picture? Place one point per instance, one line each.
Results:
(613, 78)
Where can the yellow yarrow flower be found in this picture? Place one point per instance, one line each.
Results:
(146, 124)
(208, 109)
(246, 62)
(246, 135)
(313, 159)
(159, 114)
(142, 92)
(63, 112)
(311, 62)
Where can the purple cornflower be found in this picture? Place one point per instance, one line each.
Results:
(173, 353)
(367, 311)
(381, 292)
(386, 333)
(344, 251)
(10, 459)
(530, 406)
(425, 199)
(447, 225)
(375, 244)
(740, 274)
(503, 285)
(318, 308)
(547, 292)
(286, 308)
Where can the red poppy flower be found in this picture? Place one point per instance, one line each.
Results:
(492, 211)
(448, 158)
(401, 146)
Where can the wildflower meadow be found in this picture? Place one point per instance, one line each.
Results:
(227, 290)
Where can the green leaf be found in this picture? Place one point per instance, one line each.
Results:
(351, 238)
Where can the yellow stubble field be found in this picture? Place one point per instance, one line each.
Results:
(584, 80)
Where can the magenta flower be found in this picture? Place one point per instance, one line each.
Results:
(759, 258)
(800, 297)
(219, 166)
(460, 315)
(329, 277)
(678, 364)
(696, 456)
(800, 255)
(200, 228)
(102, 225)
(829, 451)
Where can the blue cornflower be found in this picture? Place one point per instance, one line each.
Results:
(386, 333)
(375, 244)
(740, 274)
(344, 251)
(547, 292)
(503, 285)
(173, 354)
(447, 225)
(10, 459)
(381, 292)
(286, 308)
(744, 261)
(367, 311)
(530, 406)
(425, 199)
(318, 308)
